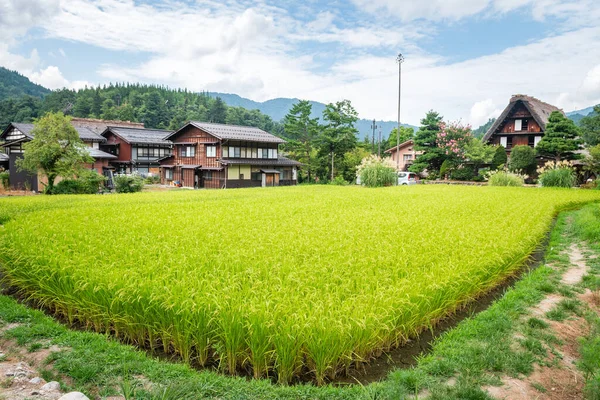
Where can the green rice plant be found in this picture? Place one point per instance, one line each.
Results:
(311, 279)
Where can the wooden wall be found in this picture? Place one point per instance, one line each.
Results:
(193, 135)
(124, 147)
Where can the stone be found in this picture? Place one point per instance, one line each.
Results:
(9, 373)
(74, 396)
(51, 386)
(36, 381)
(35, 393)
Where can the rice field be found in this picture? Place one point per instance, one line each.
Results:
(285, 283)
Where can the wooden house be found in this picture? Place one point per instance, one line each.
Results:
(16, 134)
(136, 149)
(404, 154)
(209, 155)
(522, 122)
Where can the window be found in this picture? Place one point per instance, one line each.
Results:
(236, 152)
(265, 153)
(531, 140)
(525, 125)
(243, 152)
(211, 151)
(188, 151)
(536, 140)
(503, 141)
(275, 153)
(169, 174)
(509, 142)
(256, 176)
(254, 153)
(208, 175)
(225, 151)
(407, 157)
(518, 125)
(260, 153)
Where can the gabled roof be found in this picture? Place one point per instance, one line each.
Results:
(99, 125)
(85, 134)
(409, 142)
(99, 153)
(233, 132)
(540, 111)
(140, 135)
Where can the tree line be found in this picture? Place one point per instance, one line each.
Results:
(157, 107)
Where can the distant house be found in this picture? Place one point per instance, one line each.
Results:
(523, 122)
(405, 153)
(136, 149)
(16, 134)
(209, 155)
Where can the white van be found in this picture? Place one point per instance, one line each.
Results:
(407, 178)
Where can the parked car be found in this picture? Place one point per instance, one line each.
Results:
(407, 178)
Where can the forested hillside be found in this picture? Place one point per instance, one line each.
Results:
(14, 85)
(155, 106)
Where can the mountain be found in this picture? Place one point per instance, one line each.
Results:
(279, 107)
(577, 115)
(14, 85)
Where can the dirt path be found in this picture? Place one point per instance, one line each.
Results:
(562, 380)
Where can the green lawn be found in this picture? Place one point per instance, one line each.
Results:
(289, 282)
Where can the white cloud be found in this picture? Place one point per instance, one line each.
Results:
(482, 111)
(580, 12)
(588, 93)
(52, 78)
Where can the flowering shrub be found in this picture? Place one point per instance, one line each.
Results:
(453, 138)
(557, 174)
(376, 172)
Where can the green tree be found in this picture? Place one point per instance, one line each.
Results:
(500, 157)
(561, 139)
(301, 131)
(522, 159)
(590, 127)
(218, 111)
(426, 141)
(406, 133)
(55, 150)
(592, 161)
(478, 153)
(339, 134)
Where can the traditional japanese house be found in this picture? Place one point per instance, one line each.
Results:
(136, 149)
(209, 155)
(522, 122)
(16, 134)
(403, 155)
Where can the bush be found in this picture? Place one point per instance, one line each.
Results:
(152, 179)
(339, 181)
(559, 174)
(5, 179)
(559, 177)
(465, 173)
(88, 182)
(505, 178)
(377, 172)
(500, 158)
(128, 183)
(522, 158)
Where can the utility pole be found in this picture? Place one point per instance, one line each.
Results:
(399, 60)
(374, 127)
(379, 143)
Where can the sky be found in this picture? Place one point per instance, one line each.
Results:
(462, 58)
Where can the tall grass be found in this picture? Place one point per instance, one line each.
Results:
(286, 282)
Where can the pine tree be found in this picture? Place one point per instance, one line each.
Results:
(425, 140)
(301, 131)
(561, 139)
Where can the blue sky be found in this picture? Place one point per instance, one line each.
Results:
(464, 58)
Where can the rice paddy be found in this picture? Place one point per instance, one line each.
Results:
(283, 283)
